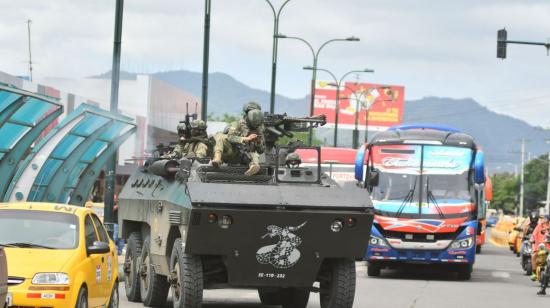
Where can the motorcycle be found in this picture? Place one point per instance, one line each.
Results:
(543, 271)
(525, 256)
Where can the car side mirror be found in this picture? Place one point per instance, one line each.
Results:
(373, 177)
(98, 248)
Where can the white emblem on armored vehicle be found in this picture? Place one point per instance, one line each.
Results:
(284, 254)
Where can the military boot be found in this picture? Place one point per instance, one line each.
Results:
(217, 160)
(253, 169)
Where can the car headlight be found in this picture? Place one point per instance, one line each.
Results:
(50, 278)
(463, 243)
(376, 241)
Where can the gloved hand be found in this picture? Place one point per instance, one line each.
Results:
(252, 170)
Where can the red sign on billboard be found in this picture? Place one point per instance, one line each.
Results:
(382, 103)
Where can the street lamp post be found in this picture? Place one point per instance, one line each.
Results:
(338, 84)
(276, 15)
(205, 56)
(314, 68)
(358, 98)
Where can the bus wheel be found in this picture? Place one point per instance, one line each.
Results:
(465, 272)
(337, 284)
(373, 269)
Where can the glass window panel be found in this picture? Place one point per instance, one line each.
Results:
(66, 146)
(10, 134)
(6, 98)
(113, 131)
(47, 171)
(75, 174)
(94, 151)
(90, 124)
(32, 111)
(37, 193)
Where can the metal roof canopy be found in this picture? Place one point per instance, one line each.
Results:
(64, 165)
(23, 117)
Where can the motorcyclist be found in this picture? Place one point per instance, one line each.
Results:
(533, 222)
(538, 237)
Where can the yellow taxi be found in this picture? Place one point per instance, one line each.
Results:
(58, 256)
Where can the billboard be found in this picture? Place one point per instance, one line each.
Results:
(382, 103)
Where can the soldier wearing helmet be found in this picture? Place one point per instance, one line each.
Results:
(242, 138)
(194, 147)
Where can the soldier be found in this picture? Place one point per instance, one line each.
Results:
(194, 147)
(243, 142)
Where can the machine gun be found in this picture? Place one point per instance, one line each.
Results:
(184, 127)
(278, 125)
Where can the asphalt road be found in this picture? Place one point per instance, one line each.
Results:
(497, 281)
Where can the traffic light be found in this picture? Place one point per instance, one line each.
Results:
(501, 43)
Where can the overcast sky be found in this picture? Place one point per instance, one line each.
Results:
(432, 47)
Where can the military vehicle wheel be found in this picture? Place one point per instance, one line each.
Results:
(465, 272)
(294, 298)
(131, 267)
(186, 278)
(270, 297)
(373, 269)
(153, 287)
(337, 284)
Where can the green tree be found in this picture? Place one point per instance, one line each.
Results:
(505, 191)
(536, 177)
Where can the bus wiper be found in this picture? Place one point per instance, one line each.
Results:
(26, 245)
(430, 196)
(408, 198)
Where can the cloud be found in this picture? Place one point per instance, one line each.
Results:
(444, 48)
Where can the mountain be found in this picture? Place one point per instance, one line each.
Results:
(227, 95)
(499, 135)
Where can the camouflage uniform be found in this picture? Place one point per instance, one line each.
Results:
(194, 147)
(239, 134)
(235, 136)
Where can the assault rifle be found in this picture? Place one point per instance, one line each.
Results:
(184, 127)
(278, 125)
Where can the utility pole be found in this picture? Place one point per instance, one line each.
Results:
(205, 57)
(109, 195)
(30, 54)
(521, 177)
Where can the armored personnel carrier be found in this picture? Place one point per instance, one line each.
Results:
(286, 231)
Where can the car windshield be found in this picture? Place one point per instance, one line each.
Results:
(38, 229)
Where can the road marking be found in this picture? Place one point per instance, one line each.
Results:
(505, 275)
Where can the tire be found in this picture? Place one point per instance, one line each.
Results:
(270, 297)
(152, 286)
(131, 267)
(478, 249)
(114, 300)
(465, 272)
(373, 269)
(294, 298)
(82, 299)
(187, 284)
(338, 286)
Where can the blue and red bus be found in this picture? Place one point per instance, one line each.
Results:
(427, 185)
